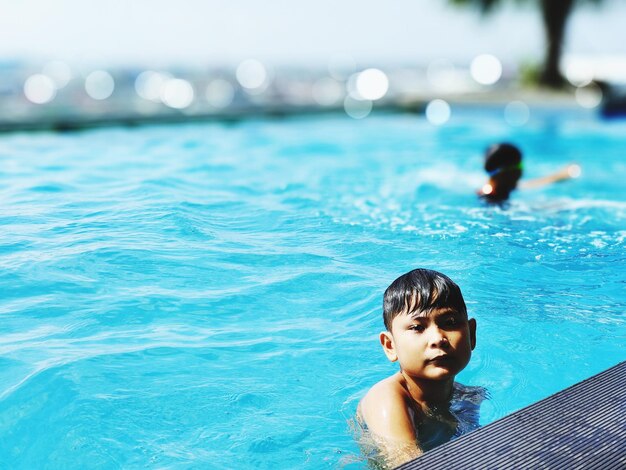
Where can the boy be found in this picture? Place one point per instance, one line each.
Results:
(503, 164)
(430, 336)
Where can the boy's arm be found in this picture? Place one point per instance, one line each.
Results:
(386, 413)
(570, 171)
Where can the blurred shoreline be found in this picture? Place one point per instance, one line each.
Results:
(57, 98)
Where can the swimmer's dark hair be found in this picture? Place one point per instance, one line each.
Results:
(502, 155)
(421, 290)
(503, 163)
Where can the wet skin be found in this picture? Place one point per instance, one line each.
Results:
(411, 405)
(431, 349)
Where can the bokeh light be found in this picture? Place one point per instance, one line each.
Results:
(589, 96)
(220, 93)
(372, 84)
(59, 72)
(486, 69)
(574, 170)
(578, 73)
(39, 89)
(149, 84)
(99, 85)
(516, 113)
(438, 112)
(357, 109)
(252, 75)
(582, 70)
(177, 93)
(351, 88)
(327, 91)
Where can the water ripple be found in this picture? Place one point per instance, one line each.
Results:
(210, 295)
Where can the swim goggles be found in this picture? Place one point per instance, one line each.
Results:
(504, 169)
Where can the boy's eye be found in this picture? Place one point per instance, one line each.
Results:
(418, 328)
(451, 322)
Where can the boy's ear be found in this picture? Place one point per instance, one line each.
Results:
(386, 340)
(472, 332)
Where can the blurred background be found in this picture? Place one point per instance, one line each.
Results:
(72, 64)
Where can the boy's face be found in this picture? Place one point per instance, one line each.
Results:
(436, 346)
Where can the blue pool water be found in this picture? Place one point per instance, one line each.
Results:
(209, 295)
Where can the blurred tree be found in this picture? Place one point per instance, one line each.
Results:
(555, 14)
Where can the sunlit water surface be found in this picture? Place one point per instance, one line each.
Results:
(209, 295)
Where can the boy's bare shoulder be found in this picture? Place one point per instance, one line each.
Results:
(385, 408)
(390, 389)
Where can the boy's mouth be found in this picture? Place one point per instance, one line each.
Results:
(443, 358)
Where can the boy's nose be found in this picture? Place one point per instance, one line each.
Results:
(438, 339)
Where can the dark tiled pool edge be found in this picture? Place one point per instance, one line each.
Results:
(581, 427)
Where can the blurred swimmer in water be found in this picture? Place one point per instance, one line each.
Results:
(503, 164)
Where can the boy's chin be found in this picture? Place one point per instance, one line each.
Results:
(441, 376)
(440, 373)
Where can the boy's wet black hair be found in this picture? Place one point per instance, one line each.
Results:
(421, 290)
(502, 155)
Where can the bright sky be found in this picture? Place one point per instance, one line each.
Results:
(169, 32)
